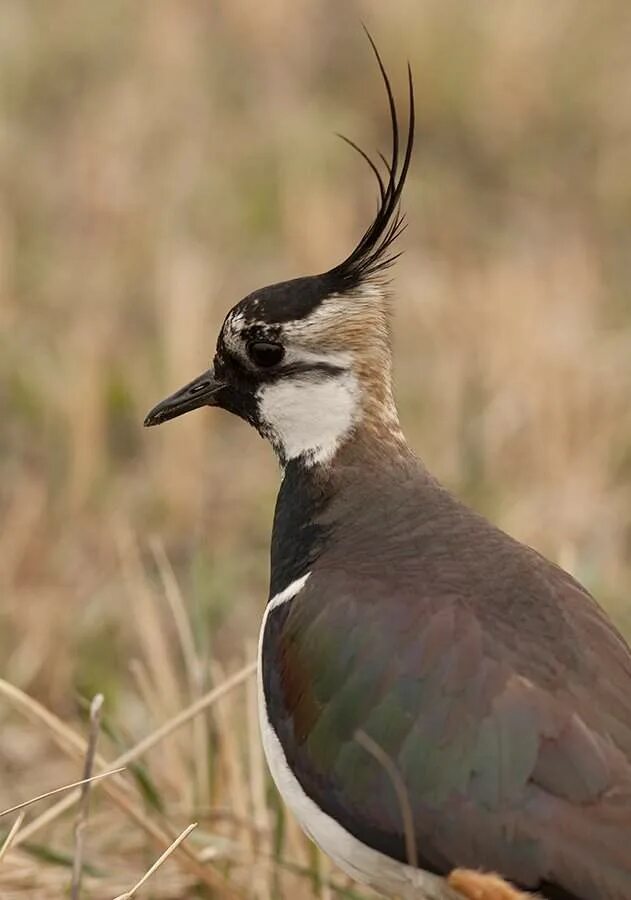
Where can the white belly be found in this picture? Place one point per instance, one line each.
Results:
(358, 860)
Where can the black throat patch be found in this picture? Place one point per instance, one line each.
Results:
(298, 535)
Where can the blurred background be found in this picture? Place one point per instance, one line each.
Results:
(157, 162)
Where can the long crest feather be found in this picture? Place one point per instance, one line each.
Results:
(373, 255)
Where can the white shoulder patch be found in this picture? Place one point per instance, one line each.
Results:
(287, 594)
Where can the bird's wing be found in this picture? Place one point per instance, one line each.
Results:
(510, 760)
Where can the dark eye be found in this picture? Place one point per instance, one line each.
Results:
(265, 354)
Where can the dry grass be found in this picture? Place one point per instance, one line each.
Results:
(157, 162)
(238, 851)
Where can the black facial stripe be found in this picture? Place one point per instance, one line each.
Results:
(231, 367)
(317, 370)
(308, 368)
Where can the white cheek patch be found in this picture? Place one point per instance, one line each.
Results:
(310, 416)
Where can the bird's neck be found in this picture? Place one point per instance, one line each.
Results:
(378, 428)
(300, 533)
(317, 503)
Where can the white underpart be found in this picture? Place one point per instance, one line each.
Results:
(358, 860)
(310, 415)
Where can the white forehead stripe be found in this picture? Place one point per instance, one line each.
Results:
(308, 416)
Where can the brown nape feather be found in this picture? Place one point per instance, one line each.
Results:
(380, 421)
(358, 324)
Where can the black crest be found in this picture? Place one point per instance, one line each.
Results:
(373, 255)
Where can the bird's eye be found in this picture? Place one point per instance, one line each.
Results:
(265, 354)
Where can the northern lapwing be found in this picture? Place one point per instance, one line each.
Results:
(433, 694)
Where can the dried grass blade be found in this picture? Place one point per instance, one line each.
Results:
(12, 833)
(195, 670)
(156, 865)
(59, 790)
(84, 803)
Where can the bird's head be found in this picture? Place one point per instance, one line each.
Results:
(307, 361)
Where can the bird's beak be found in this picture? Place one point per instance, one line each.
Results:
(201, 391)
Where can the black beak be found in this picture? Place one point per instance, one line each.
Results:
(202, 391)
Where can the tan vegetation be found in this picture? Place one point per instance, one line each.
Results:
(157, 162)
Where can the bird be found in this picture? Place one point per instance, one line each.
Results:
(438, 701)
